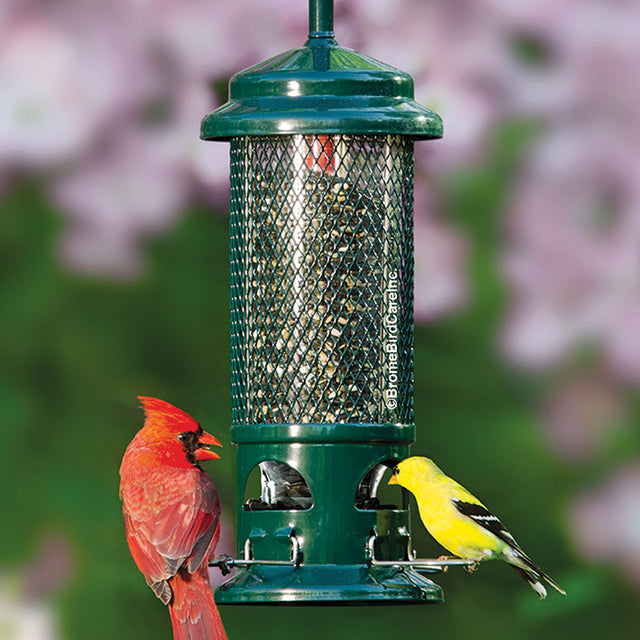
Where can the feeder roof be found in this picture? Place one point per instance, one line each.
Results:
(321, 88)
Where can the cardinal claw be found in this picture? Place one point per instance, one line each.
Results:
(224, 562)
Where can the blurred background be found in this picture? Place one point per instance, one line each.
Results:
(114, 283)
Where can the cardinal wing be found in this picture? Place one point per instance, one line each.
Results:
(184, 529)
(171, 523)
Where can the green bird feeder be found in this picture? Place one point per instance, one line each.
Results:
(322, 321)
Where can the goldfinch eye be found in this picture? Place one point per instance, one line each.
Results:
(396, 471)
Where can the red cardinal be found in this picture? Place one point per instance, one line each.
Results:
(172, 516)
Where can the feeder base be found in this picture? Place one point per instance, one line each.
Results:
(328, 584)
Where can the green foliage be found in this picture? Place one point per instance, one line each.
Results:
(77, 352)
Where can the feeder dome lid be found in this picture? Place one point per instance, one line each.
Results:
(321, 88)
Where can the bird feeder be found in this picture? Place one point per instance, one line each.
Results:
(321, 236)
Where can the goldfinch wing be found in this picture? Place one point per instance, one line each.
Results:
(483, 517)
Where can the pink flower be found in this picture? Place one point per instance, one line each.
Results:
(207, 161)
(27, 620)
(60, 84)
(582, 414)
(26, 608)
(622, 340)
(453, 51)
(440, 262)
(135, 187)
(46, 113)
(605, 522)
(573, 259)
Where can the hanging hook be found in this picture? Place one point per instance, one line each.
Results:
(320, 18)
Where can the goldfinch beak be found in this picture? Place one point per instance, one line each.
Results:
(393, 479)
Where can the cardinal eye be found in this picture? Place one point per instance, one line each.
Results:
(183, 437)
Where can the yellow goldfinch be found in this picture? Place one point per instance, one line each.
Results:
(461, 523)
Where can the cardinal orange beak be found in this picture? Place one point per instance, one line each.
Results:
(203, 452)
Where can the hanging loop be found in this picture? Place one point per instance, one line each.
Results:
(320, 18)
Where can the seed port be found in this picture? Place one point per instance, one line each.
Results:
(372, 493)
(281, 488)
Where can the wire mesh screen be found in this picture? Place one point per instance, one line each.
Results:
(322, 279)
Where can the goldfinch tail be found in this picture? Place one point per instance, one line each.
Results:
(532, 580)
(531, 573)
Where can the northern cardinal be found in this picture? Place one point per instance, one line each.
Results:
(172, 516)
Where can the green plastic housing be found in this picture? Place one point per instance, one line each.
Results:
(321, 88)
(332, 533)
(321, 244)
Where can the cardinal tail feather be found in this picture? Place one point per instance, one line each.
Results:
(194, 614)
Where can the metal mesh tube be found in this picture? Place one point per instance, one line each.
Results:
(322, 279)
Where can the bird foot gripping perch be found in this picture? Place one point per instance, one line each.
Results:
(225, 562)
(474, 563)
(442, 563)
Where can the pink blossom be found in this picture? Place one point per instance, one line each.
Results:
(592, 50)
(135, 187)
(51, 568)
(622, 340)
(453, 51)
(216, 39)
(45, 102)
(573, 253)
(582, 414)
(60, 84)
(572, 258)
(605, 522)
(440, 262)
(207, 161)
(26, 608)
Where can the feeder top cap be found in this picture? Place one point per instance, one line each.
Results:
(321, 88)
